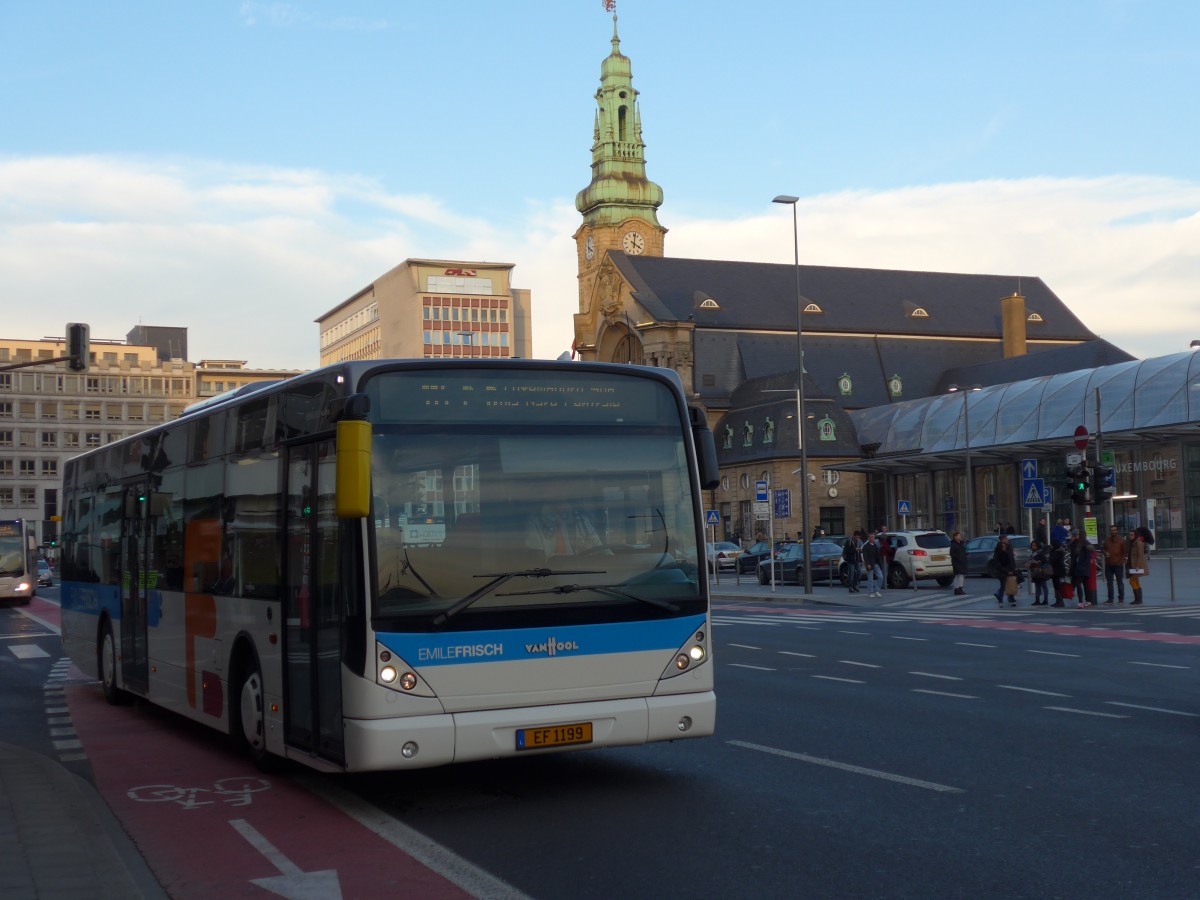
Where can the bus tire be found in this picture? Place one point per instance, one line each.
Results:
(248, 714)
(106, 666)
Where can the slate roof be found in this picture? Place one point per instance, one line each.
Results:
(762, 296)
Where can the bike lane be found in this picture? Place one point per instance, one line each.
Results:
(209, 824)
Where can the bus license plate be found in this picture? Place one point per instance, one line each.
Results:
(554, 736)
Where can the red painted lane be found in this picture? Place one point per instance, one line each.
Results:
(1072, 630)
(933, 618)
(187, 838)
(50, 613)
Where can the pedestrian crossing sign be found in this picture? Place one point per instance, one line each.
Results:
(712, 517)
(1033, 490)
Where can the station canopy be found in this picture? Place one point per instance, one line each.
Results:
(1134, 402)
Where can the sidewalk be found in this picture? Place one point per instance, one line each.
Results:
(58, 837)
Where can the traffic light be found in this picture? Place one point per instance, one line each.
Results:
(78, 346)
(1104, 482)
(1080, 482)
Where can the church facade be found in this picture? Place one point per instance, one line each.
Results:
(871, 337)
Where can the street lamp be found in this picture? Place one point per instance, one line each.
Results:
(800, 420)
(966, 392)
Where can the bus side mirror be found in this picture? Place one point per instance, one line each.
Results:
(353, 492)
(706, 450)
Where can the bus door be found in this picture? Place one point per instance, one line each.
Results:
(136, 578)
(313, 620)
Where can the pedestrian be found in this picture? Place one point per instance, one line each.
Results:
(1010, 528)
(870, 561)
(1039, 533)
(1116, 554)
(852, 557)
(958, 562)
(1139, 565)
(1039, 572)
(1004, 567)
(1058, 570)
(1083, 575)
(886, 553)
(1059, 533)
(818, 533)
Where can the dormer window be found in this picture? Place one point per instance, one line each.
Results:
(1035, 317)
(813, 308)
(710, 303)
(919, 313)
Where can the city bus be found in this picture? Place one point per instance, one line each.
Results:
(18, 561)
(406, 563)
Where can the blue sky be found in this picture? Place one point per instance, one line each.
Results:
(242, 167)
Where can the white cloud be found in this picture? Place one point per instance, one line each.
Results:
(246, 258)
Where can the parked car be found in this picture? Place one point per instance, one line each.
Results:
(747, 563)
(45, 577)
(980, 550)
(789, 563)
(919, 555)
(724, 553)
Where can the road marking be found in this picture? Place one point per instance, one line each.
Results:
(756, 668)
(865, 633)
(1173, 712)
(26, 634)
(1085, 712)
(292, 880)
(445, 862)
(744, 646)
(1052, 653)
(847, 767)
(794, 653)
(1013, 687)
(944, 694)
(966, 644)
(850, 662)
(897, 637)
(935, 675)
(1157, 665)
(28, 651)
(835, 678)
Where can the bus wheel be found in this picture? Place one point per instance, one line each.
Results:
(106, 666)
(249, 731)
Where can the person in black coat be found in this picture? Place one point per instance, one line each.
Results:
(1058, 570)
(1039, 556)
(1003, 565)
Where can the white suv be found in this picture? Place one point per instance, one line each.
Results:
(917, 555)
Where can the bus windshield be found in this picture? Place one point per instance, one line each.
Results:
(544, 514)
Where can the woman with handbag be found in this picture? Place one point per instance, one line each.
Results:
(1139, 565)
(1039, 572)
(1004, 565)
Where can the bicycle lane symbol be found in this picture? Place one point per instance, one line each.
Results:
(235, 791)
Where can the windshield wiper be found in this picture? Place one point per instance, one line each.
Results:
(499, 579)
(613, 590)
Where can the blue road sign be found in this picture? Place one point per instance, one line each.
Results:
(903, 508)
(1029, 469)
(783, 503)
(712, 517)
(1033, 493)
(760, 491)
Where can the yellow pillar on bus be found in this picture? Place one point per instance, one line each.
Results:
(353, 469)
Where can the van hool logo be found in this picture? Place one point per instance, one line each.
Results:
(551, 647)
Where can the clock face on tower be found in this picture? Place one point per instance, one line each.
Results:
(589, 247)
(633, 243)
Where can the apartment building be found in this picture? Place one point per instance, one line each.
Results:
(49, 414)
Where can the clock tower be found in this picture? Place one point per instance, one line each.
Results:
(620, 204)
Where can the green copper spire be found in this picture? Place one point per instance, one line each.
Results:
(619, 189)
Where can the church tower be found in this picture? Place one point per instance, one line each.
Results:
(620, 205)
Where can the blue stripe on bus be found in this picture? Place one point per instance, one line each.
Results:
(464, 647)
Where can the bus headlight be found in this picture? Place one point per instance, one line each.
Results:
(696, 652)
(387, 674)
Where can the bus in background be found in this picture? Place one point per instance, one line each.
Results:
(18, 561)
(402, 564)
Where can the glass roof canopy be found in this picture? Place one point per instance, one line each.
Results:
(1154, 399)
